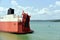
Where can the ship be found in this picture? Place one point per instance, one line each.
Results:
(13, 23)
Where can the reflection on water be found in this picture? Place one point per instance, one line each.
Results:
(8, 36)
(23, 37)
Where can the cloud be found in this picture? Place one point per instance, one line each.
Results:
(13, 2)
(1, 9)
(57, 11)
(31, 10)
(57, 3)
(18, 8)
(37, 13)
(44, 11)
(50, 11)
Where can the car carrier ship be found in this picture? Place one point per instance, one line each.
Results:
(15, 24)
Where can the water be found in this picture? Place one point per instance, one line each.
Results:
(42, 31)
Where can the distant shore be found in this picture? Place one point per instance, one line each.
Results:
(45, 20)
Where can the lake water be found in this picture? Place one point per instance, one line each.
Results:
(42, 31)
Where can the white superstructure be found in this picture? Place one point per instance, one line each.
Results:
(11, 17)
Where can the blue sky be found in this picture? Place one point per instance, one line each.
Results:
(38, 9)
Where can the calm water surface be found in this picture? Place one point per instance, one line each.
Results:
(42, 31)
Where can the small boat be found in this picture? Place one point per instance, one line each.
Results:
(15, 24)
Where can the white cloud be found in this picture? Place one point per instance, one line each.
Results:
(30, 10)
(1, 9)
(57, 3)
(44, 11)
(13, 2)
(50, 10)
(57, 11)
(18, 8)
(51, 6)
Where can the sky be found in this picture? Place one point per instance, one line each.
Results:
(37, 9)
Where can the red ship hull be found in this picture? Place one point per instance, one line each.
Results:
(14, 27)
